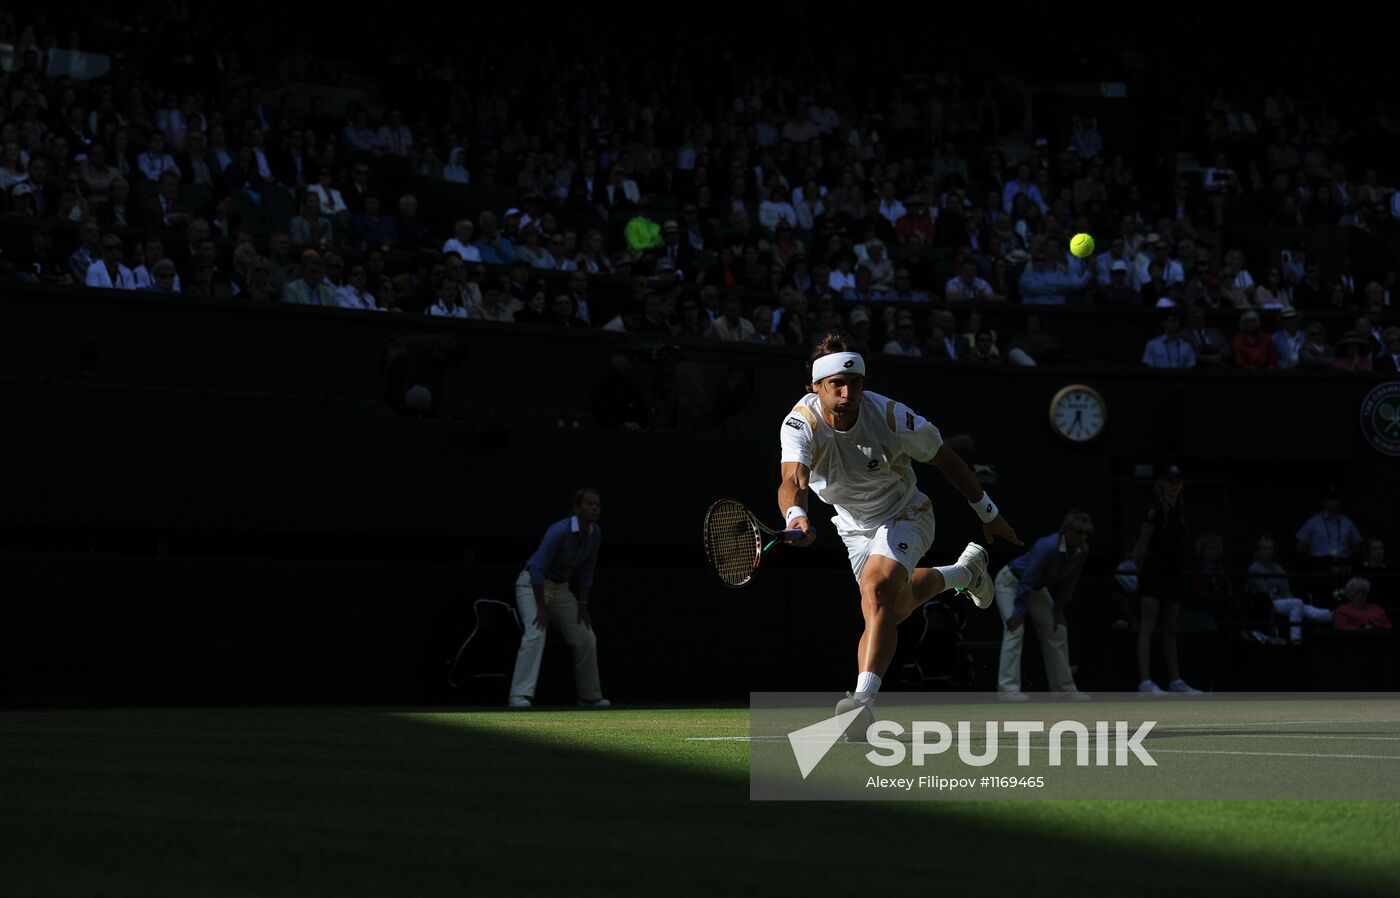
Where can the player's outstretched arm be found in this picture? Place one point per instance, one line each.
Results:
(792, 501)
(961, 478)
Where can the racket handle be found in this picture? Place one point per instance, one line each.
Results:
(791, 536)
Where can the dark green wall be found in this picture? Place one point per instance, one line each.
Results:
(221, 493)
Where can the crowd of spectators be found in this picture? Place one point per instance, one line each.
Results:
(763, 205)
(1337, 571)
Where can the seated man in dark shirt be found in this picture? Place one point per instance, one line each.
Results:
(618, 402)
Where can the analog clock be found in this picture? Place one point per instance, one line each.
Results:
(1078, 413)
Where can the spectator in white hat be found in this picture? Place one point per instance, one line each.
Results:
(858, 322)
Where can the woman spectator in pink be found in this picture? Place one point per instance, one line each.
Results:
(1353, 353)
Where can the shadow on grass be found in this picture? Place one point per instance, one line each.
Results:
(369, 802)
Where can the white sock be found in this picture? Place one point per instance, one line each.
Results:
(867, 684)
(955, 576)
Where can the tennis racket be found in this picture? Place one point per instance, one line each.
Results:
(734, 541)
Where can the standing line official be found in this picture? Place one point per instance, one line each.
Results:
(1038, 585)
(568, 551)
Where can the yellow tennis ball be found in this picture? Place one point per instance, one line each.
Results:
(1081, 245)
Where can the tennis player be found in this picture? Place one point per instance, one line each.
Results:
(853, 449)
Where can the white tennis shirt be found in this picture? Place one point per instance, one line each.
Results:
(864, 472)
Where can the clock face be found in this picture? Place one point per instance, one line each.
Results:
(1078, 414)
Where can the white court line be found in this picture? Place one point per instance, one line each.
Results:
(1298, 736)
(1265, 723)
(1180, 726)
(1266, 754)
(1154, 750)
(1149, 737)
(1170, 726)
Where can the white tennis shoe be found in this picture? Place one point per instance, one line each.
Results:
(979, 587)
(856, 731)
(518, 703)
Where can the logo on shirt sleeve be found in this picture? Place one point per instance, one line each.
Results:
(903, 547)
(872, 464)
(794, 423)
(909, 420)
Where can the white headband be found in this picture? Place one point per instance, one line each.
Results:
(837, 363)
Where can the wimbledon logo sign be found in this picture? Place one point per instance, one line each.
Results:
(1380, 417)
(934, 737)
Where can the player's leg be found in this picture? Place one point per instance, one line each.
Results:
(883, 584)
(858, 552)
(927, 583)
(528, 657)
(968, 573)
(882, 561)
(883, 581)
(886, 581)
(583, 642)
(1009, 670)
(916, 528)
(862, 698)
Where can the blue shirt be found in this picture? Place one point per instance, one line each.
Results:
(492, 255)
(1032, 192)
(1287, 346)
(1325, 537)
(1164, 353)
(1048, 288)
(374, 233)
(565, 553)
(1049, 566)
(363, 139)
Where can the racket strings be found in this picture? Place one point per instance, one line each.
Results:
(732, 542)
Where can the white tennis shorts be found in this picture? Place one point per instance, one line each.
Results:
(904, 537)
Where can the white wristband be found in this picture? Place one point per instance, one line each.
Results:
(986, 509)
(795, 512)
